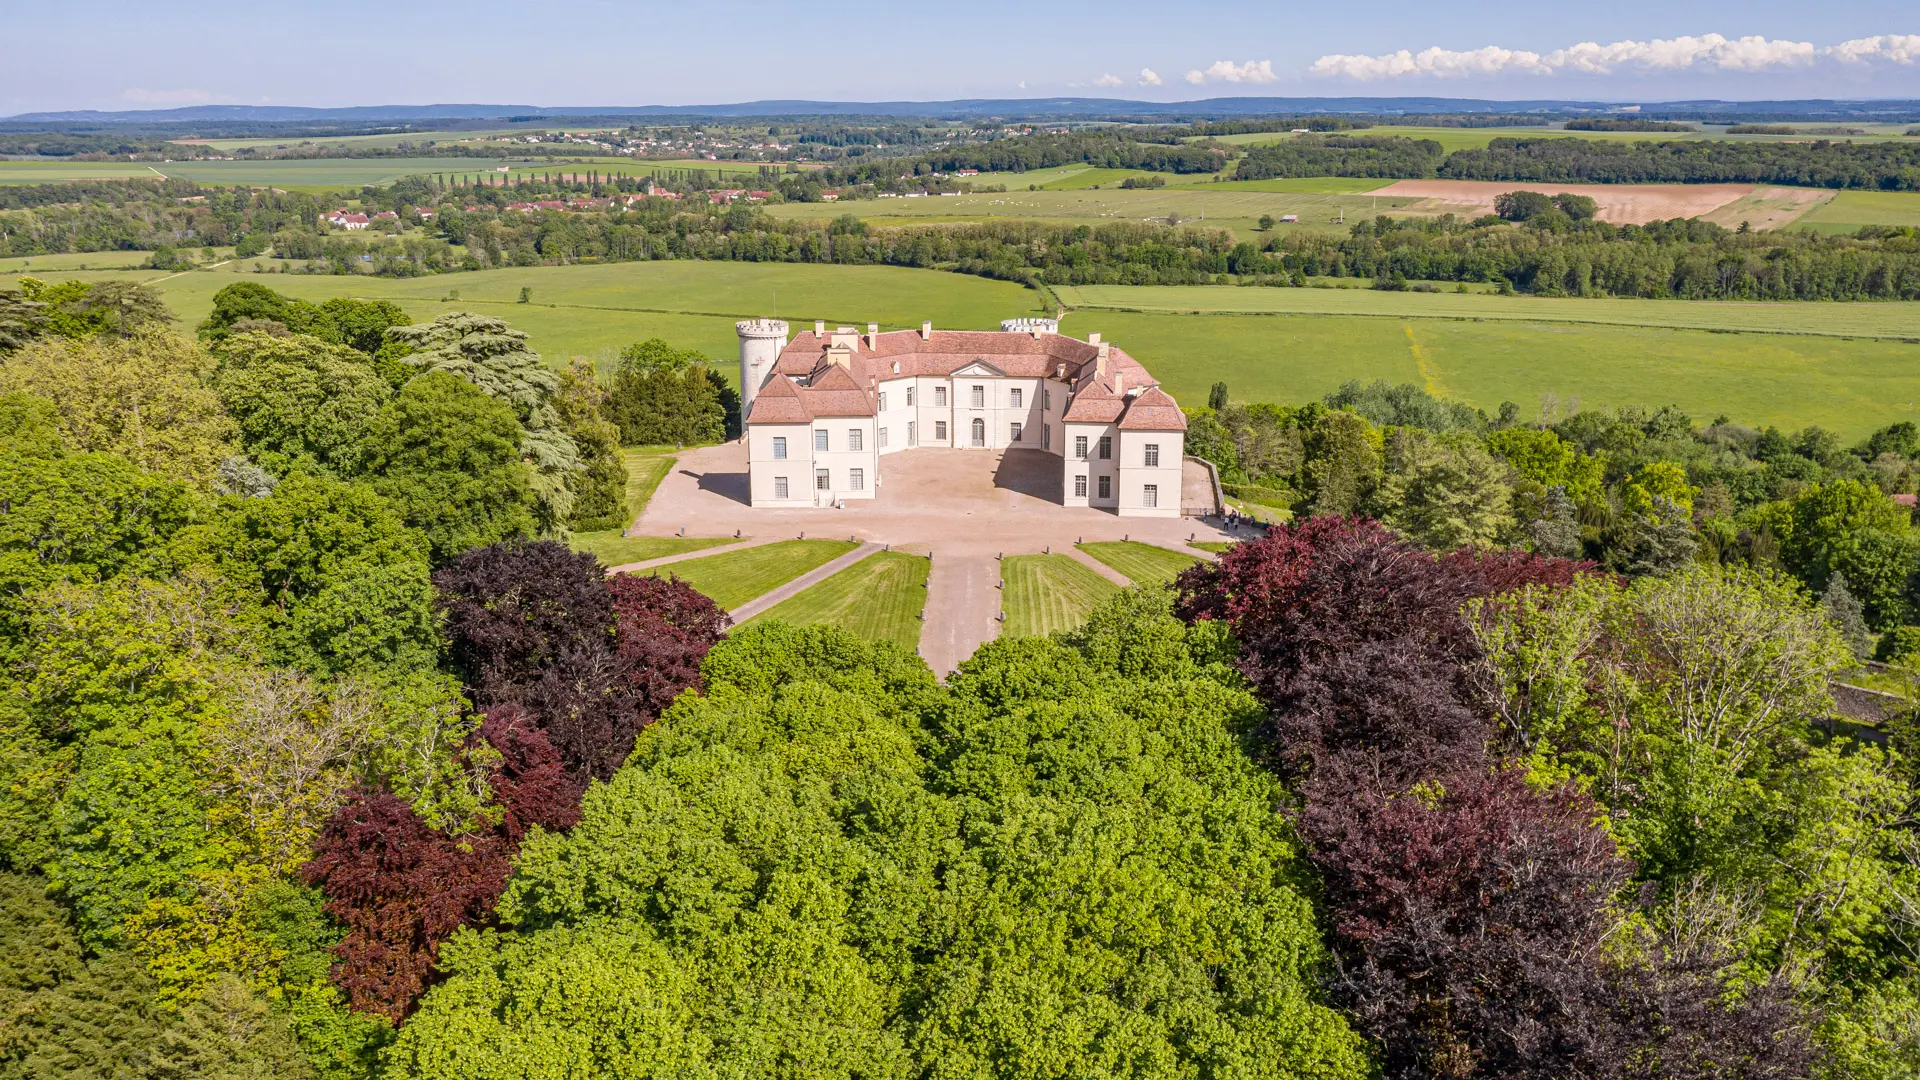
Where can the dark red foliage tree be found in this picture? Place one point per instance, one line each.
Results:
(662, 630)
(530, 782)
(514, 608)
(400, 887)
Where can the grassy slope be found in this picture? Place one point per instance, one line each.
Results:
(1048, 593)
(1143, 564)
(735, 577)
(880, 597)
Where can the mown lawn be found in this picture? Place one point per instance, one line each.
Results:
(1143, 564)
(735, 577)
(646, 467)
(1215, 546)
(880, 598)
(1044, 594)
(613, 549)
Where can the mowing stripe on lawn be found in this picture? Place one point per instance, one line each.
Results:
(1043, 594)
(879, 598)
(735, 577)
(1143, 564)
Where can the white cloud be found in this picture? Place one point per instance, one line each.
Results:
(1148, 77)
(1705, 52)
(1108, 80)
(1253, 71)
(166, 97)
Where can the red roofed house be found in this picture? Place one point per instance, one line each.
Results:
(824, 408)
(348, 221)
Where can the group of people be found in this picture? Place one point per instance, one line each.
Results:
(1232, 520)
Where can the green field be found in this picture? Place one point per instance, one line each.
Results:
(1848, 210)
(32, 265)
(1143, 564)
(732, 578)
(614, 549)
(1044, 594)
(1229, 206)
(333, 174)
(1874, 320)
(1451, 139)
(879, 598)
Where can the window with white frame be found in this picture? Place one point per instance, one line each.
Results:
(979, 432)
(940, 431)
(1015, 397)
(1079, 486)
(979, 397)
(1106, 447)
(1015, 432)
(909, 397)
(820, 439)
(779, 487)
(913, 433)
(1153, 455)
(820, 480)
(939, 396)
(883, 401)
(1150, 495)
(779, 447)
(857, 479)
(883, 439)
(856, 439)
(1080, 447)
(1106, 487)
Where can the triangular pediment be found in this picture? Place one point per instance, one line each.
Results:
(978, 368)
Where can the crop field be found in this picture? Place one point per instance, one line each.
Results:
(1045, 594)
(1143, 564)
(732, 578)
(1865, 319)
(1451, 139)
(1848, 210)
(1621, 204)
(879, 598)
(1603, 352)
(336, 174)
(1228, 206)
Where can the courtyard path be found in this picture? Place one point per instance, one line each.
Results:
(800, 584)
(1099, 567)
(963, 605)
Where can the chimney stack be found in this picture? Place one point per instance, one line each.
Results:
(1120, 383)
(873, 336)
(926, 330)
(819, 327)
(1100, 362)
(1093, 339)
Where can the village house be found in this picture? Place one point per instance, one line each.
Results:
(343, 219)
(825, 408)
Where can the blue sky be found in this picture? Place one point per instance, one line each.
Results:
(117, 55)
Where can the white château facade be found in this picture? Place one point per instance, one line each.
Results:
(823, 409)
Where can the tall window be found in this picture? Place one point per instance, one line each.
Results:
(1046, 397)
(979, 432)
(1153, 455)
(940, 432)
(979, 397)
(1150, 495)
(939, 396)
(820, 439)
(909, 397)
(779, 447)
(1106, 447)
(856, 439)
(1046, 436)
(857, 479)
(1079, 486)
(1080, 447)
(1015, 396)
(1106, 487)
(820, 480)
(913, 433)
(883, 439)
(1016, 433)
(883, 401)
(779, 487)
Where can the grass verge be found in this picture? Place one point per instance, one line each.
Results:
(1044, 594)
(1143, 564)
(732, 578)
(879, 598)
(613, 549)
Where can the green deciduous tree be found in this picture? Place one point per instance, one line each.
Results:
(300, 403)
(1342, 463)
(600, 501)
(663, 395)
(1444, 491)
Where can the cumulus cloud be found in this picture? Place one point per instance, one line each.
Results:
(1108, 80)
(1148, 77)
(1253, 71)
(1707, 51)
(166, 97)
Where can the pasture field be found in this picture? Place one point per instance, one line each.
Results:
(732, 578)
(879, 598)
(1143, 564)
(340, 174)
(1789, 379)
(1044, 594)
(1899, 320)
(1848, 210)
(34, 265)
(1227, 206)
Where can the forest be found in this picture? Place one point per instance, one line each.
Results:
(1879, 166)
(322, 756)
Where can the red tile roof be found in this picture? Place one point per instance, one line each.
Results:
(1153, 410)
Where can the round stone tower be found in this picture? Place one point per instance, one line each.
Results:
(760, 343)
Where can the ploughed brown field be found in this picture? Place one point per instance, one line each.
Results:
(1764, 206)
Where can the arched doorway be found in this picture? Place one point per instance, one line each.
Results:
(979, 432)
